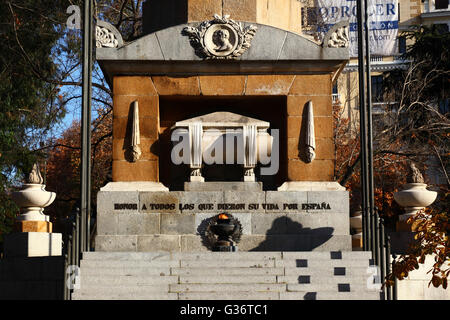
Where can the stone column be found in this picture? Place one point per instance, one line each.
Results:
(195, 144)
(250, 152)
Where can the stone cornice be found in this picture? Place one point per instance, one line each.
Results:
(272, 51)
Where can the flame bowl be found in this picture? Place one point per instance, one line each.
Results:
(223, 228)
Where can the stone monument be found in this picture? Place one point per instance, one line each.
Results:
(235, 117)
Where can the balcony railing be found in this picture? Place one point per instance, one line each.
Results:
(335, 98)
(376, 58)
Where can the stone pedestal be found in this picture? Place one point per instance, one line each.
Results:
(32, 244)
(309, 220)
(33, 226)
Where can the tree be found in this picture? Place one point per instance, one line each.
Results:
(416, 128)
(40, 80)
(28, 103)
(64, 161)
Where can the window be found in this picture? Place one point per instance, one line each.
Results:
(335, 88)
(377, 88)
(401, 45)
(441, 28)
(444, 106)
(441, 4)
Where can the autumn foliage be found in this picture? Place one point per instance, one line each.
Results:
(63, 165)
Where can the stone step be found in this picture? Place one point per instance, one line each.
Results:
(100, 264)
(116, 256)
(228, 279)
(332, 287)
(228, 263)
(235, 295)
(305, 279)
(227, 287)
(126, 271)
(112, 280)
(324, 255)
(312, 263)
(345, 255)
(127, 295)
(229, 271)
(328, 295)
(326, 271)
(291, 263)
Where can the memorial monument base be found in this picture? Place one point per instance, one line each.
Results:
(145, 221)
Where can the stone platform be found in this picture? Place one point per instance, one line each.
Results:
(175, 221)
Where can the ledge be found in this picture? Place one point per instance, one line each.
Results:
(272, 51)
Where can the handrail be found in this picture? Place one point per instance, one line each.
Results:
(379, 243)
(71, 251)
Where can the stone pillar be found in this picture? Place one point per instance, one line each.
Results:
(196, 156)
(250, 152)
(34, 237)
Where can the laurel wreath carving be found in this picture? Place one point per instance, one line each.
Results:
(211, 238)
(197, 37)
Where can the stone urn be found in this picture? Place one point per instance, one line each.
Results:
(33, 198)
(414, 195)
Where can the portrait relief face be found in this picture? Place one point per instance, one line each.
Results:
(221, 40)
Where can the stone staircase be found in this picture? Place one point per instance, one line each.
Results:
(226, 276)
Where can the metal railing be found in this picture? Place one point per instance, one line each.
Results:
(72, 250)
(377, 240)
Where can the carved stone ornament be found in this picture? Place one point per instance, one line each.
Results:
(107, 36)
(337, 36)
(135, 134)
(310, 134)
(414, 174)
(35, 176)
(220, 38)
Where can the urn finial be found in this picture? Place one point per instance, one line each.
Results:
(35, 176)
(414, 174)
